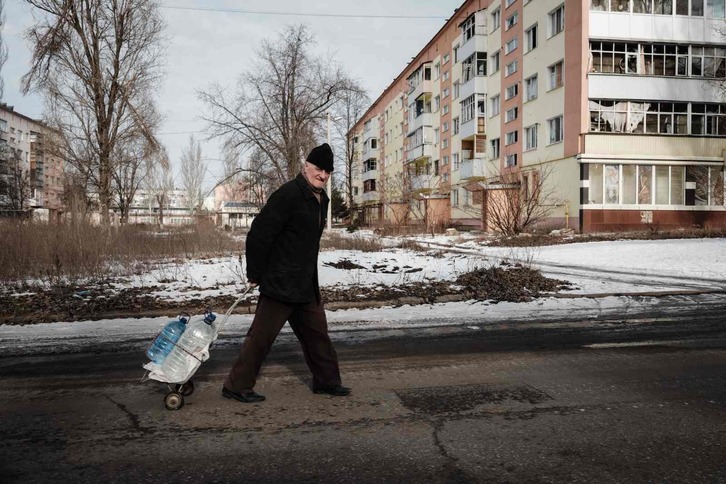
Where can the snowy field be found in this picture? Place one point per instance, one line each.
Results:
(605, 274)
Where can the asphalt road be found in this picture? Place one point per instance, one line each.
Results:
(595, 401)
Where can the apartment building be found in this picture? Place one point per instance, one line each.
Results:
(31, 167)
(611, 113)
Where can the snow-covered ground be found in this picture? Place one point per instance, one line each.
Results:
(604, 274)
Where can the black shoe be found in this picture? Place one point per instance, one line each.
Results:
(336, 390)
(250, 397)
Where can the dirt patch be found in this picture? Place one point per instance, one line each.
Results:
(504, 283)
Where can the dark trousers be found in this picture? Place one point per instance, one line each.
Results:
(309, 324)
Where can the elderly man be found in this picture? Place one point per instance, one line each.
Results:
(282, 258)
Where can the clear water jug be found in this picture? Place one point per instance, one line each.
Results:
(187, 352)
(165, 341)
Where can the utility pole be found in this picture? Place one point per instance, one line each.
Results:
(330, 185)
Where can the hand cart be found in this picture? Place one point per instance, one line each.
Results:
(181, 386)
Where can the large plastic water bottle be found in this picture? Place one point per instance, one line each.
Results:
(188, 350)
(164, 342)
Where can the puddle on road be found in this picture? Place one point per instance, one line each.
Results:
(462, 398)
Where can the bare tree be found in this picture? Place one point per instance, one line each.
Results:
(193, 169)
(132, 157)
(279, 105)
(15, 181)
(75, 197)
(97, 62)
(159, 182)
(516, 201)
(351, 106)
(3, 48)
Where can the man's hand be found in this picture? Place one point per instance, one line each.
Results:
(251, 284)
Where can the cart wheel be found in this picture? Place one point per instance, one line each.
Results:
(173, 401)
(185, 389)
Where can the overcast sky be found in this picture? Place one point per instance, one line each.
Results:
(214, 41)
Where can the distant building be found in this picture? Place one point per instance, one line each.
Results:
(234, 205)
(145, 208)
(620, 101)
(29, 164)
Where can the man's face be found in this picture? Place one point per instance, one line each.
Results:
(316, 176)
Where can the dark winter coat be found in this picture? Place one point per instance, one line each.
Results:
(283, 243)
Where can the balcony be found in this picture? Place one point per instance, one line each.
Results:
(472, 128)
(421, 151)
(475, 85)
(423, 119)
(424, 87)
(369, 152)
(370, 197)
(471, 168)
(420, 183)
(370, 175)
(477, 43)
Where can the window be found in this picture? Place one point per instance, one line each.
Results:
(437, 71)
(455, 161)
(455, 197)
(445, 161)
(509, 3)
(446, 76)
(467, 108)
(456, 89)
(445, 127)
(530, 137)
(556, 129)
(445, 110)
(468, 29)
(495, 105)
(511, 91)
(369, 165)
(511, 21)
(530, 38)
(455, 125)
(369, 186)
(557, 20)
(496, 19)
(658, 117)
(495, 62)
(446, 92)
(511, 68)
(446, 58)
(530, 88)
(437, 103)
(510, 46)
(556, 78)
(495, 148)
(511, 138)
(510, 160)
(511, 114)
(445, 143)
(456, 53)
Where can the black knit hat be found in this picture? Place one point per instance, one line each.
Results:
(322, 157)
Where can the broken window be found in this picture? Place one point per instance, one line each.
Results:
(595, 178)
(717, 186)
(697, 181)
(645, 181)
(612, 184)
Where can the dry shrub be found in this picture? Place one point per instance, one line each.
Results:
(516, 283)
(66, 253)
(337, 241)
(412, 245)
